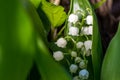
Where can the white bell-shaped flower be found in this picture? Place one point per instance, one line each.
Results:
(88, 44)
(73, 68)
(74, 54)
(73, 18)
(84, 30)
(79, 44)
(90, 30)
(61, 42)
(58, 55)
(83, 74)
(89, 19)
(74, 31)
(87, 30)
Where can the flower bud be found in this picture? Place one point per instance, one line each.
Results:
(73, 18)
(78, 59)
(89, 19)
(73, 68)
(79, 44)
(58, 55)
(88, 44)
(90, 30)
(61, 42)
(82, 64)
(74, 31)
(83, 74)
(74, 54)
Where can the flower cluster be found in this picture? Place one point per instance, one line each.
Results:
(76, 45)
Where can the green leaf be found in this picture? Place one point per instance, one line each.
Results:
(16, 41)
(35, 3)
(37, 22)
(46, 65)
(55, 14)
(111, 63)
(49, 69)
(44, 20)
(97, 54)
(100, 3)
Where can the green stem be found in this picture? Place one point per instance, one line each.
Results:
(68, 62)
(68, 37)
(89, 11)
(86, 37)
(60, 32)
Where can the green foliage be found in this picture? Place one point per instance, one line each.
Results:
(36, 3)
(55, 14)
(46, 65)
(16, 41)
(38, 25)
(20, 28)
(111, 63)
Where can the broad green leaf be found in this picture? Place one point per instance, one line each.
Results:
(16, 41)
(38, 25)
(97, 51)
(49, 69)
(96, 46)
(55, 14)
(36, 3)
(46, 65)
(44, 20)
(111, 63)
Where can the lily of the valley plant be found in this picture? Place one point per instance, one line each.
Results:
(74, 42)
(37, 35)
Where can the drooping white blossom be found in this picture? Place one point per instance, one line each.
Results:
(73, 68)
(73, 18)
(88, 44)
(79, 44)
(78, 59)
(89, 19)
(74, 31)
(90, 28)
(74, 54)
(87, 30)
(58, 55)
(61, 42)
(83, 74)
